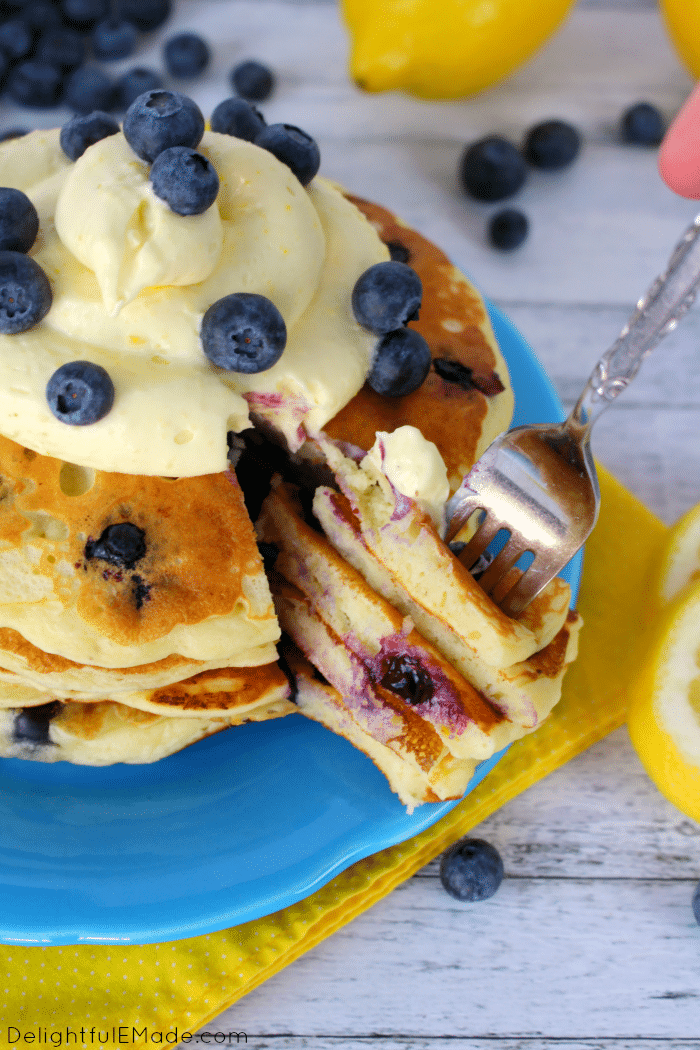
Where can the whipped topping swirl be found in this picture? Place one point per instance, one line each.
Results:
(132, 280)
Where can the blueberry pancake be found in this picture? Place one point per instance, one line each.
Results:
(466, 399)
(106, 732)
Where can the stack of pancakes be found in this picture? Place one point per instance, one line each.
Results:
(135, 615)
(124, 645)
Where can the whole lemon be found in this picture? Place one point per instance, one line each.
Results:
(682, 18)
(445, 48)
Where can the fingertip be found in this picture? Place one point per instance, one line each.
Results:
(679, 153)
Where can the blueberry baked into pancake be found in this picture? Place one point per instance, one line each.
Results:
(233, 403)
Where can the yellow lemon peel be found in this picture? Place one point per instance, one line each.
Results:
(682, 20)
(448, 49)
(664, 712)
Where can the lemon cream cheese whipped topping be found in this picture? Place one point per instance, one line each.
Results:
(131, 281)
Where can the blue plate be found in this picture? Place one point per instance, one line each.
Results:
(230, 829)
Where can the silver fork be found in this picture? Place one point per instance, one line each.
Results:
(539, 481)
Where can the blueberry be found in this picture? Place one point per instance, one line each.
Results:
(145, 14)
(398, 252)
(696, 903)
(25, 293)
(62, 48)
(13, 133)
(16, 39)
(42, 15)
(252, 80)
(387, 296)
(292, 147)
(471, 870)
(80, 132)
(84, 15)
(552, 144)
(400, 363)
(4, 66)
(185, 180)
(123, 544)
(87, 89)
(406, 677)
(508, 229)
(31, 724)
(186, 55)
(35, 84)
(642, 125)
(243, 332)
(114, 38)
(80, 393)
(235, 116)
(160, 119)
(492, 169)
(134, 83)
(19, 222)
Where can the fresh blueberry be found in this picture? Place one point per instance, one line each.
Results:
(25, 293)
(186, 55)
(134, 83)
(400, 363)
(508, 229)
(160, 119)
(42, 15)
(31, 724)
(387, 296)
(80, 132)
(235, 116)
(87, 89)
(114, 38)
(492, 169)
(62, 48)
(19, 222)
(552, 144)
(185, 180)
(243, 332)
(292, 147)
(13, 133)
(16, 39)
(471, 870)
(80, 393)
(696, 903)
(122, 544)
(252, 80)
(642, 125)
(84, 15)
(35, 84)
(145, 14)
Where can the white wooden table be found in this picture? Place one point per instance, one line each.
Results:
(590, 944)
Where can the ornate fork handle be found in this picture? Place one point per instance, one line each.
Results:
(657, 314)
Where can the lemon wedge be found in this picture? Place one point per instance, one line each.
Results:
(680, 560)
(664, 712)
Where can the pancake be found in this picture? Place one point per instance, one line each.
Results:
(104, 733)
(413, 781)
(184, 579)
(467, 399)
(380, 655)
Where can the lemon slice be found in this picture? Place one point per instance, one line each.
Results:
(664, 713)
(680, 560)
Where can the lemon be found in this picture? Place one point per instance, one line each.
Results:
(682, 19)
(664, 712)
(445, 48)
(680, 559)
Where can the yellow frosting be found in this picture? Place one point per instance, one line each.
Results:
(414, 467)
(132, 280)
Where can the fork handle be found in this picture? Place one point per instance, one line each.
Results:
(657, 314)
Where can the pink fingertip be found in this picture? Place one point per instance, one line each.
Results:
(679, 153)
